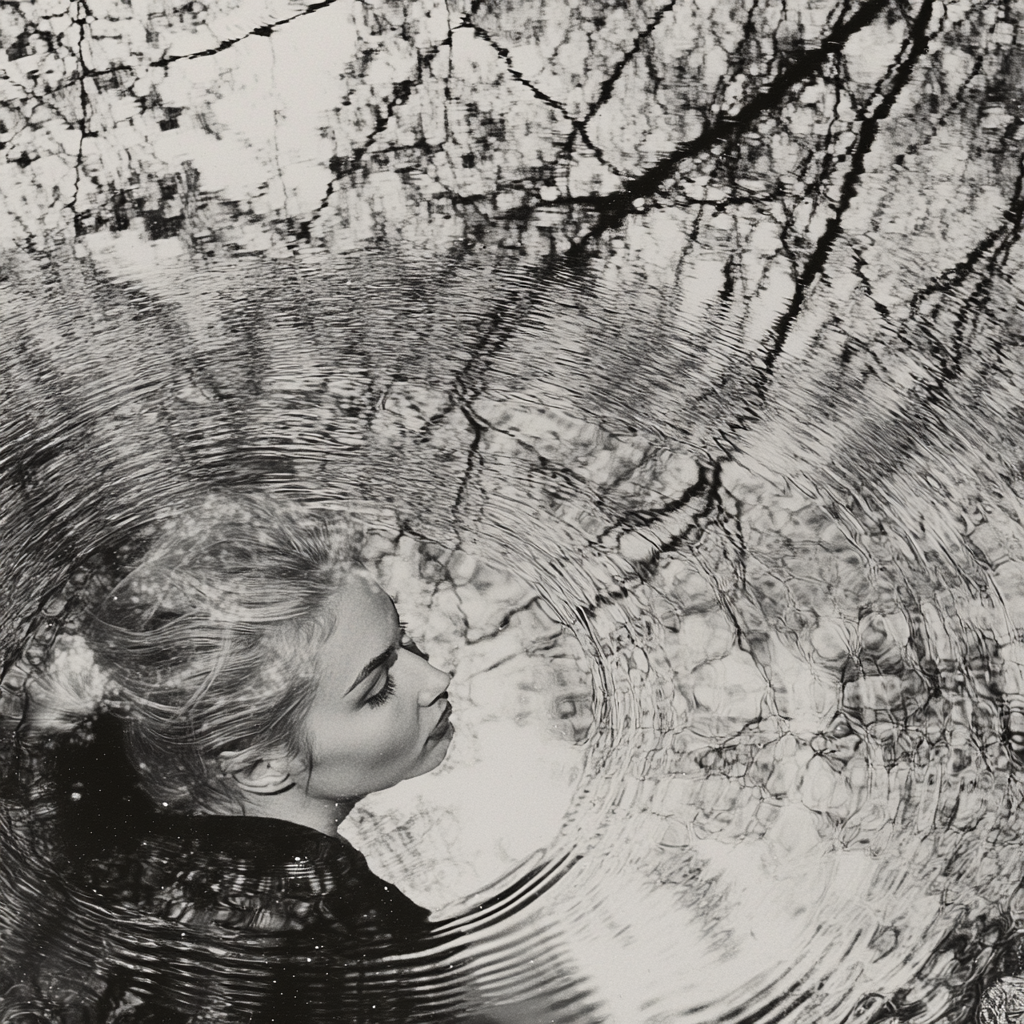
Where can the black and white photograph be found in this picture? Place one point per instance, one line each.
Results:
(511, 511)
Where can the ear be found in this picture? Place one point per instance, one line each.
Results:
(258, 776)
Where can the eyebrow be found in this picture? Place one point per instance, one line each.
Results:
(381, 659)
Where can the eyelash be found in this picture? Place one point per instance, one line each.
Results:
(375, 700)
(378, 698)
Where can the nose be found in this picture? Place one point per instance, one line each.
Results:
(434, 686)
(431, 682)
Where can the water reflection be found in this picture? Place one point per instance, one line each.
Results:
(775, 726)
(180, 883)
(690, 434)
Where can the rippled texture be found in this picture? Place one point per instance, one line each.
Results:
(671, 351)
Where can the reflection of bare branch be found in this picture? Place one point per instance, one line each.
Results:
(579, 127)
(504, 622)
(638, 518)
(739, 58)
(997, 241)
(83, 14)
(619, 205)
(39, 103)
(597, 201)
(815, 263)
(705, 495)
(399, 96)
(506, 59)
(996, 245)
(608, 85)
(505, 318)
(860, 265)
(261, 30)
(472, 458)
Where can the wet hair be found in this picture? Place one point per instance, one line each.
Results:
(211, 641)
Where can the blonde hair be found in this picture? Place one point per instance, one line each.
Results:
(211, 640)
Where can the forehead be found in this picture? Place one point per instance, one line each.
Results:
(364, 626)
(361, 601)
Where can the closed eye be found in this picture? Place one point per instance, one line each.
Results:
(383, 688)
(382, 694)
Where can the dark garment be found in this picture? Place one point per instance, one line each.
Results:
(228, 919)
(257, 875)
(110, 914)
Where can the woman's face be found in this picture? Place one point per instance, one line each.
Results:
(380, 714)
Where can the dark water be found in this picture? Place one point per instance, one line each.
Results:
(672, 354)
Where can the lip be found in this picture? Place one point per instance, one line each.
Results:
(442, 723)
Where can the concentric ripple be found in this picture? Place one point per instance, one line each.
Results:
(734, 735)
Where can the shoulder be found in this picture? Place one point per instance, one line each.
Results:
(254, 875)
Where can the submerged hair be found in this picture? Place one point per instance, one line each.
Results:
(211, 640)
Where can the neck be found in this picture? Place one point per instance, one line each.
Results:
(295, 806)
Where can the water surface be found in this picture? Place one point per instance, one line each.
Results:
(671, 353)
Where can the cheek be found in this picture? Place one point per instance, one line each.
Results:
(399, 736)
(371, 741)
